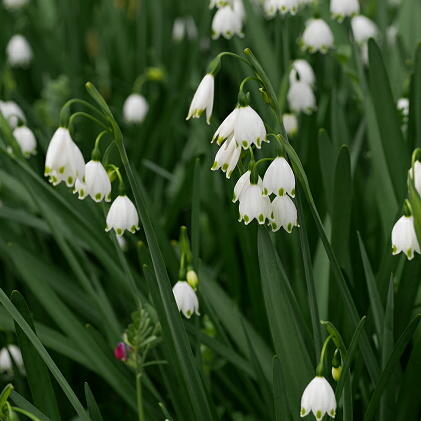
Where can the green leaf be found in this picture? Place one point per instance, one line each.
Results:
(373, 291)
(388, 122)
(93, 408)
(19, 319)
(398, 349)
(287, 338)
(38, 377)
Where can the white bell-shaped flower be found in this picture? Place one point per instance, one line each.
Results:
(135, 108)
(253, 205)
(279, 178)
(8, 355)
(97, 182)
(271, 7)
(226, 129)
(186, 299)
(203, 98)
(288, 6)
(227, 157)
(403, 106)
(283, 214)
(64, 160)
(245, 125)
(26, 140)
(319, 398)
(340, 9)
(122, 216)
(227, 21)
(19, 52)
(363, 28)
(249, 128)
(290, 123)
(301, 98)
(404, 238)
(14, 4)
(416, 173)
(12, 113)
(242, 183)
(301, 70)
(317, 36)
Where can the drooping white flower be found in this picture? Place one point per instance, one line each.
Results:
(301, 70)
(64, 160)
(19, 52)
(226, 129)
(227, 21)
(122, 216)
(242, 183)
(288, 6)
(403, 106)
(363, 28)
(283, 214)
(340, 9)
(317, 36)
(249, 128)
(416, 173)
(279, 178)
(301, 98)
(26, 140)
(203, 98)
(319, 398)
(227, 157)
(12, 113)
(245, 125)
(14, 4)
(8, 353)
(271, 7)
(186, 299)
(97, 182)
(183, 26)
(290, 123)
(253, 205)
(404, 238)
(135, 108)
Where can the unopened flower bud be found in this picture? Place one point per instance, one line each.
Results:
(192, 278)
(336, 373)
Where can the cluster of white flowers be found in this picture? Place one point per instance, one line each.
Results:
(241, 130)
(317, 36)
(135, 108)
(300, 96)
(64, 162)
(272, 7)
(404, 237)
(228, 19)
(19, 52)
(22, 134)
(184, 27)
(319, 398)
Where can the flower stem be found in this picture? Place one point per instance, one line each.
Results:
(139, 396)
(320, 366)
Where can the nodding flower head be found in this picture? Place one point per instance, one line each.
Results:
(26, 140)
(186, 299)
(301, 98)
(404, 238)
(363, 29)
(290, 123)
(340, 9)
(64, 160)
(19, 52)
(228, 21)
(317, 36)
(253, 205)
(135, 108)
(301, 70)
(203, 98)
(122, 216)
(227, 157)
(319, 398)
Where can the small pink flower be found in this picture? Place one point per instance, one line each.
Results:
(121, 351)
